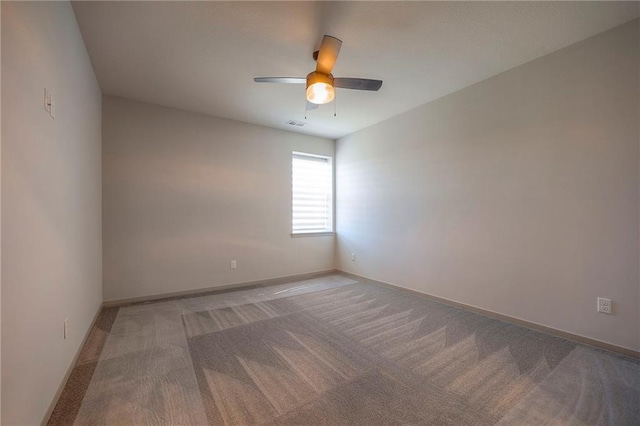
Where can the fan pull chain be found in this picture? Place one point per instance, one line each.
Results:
(335, 103)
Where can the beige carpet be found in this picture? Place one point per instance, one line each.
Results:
(333, 350)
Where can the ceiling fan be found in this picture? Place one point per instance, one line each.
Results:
(321, 84)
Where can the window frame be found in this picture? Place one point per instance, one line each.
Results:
(330, 230)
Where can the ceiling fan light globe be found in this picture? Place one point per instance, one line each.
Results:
(320, 88)
(320, 93)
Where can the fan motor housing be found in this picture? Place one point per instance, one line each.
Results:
(319, 77)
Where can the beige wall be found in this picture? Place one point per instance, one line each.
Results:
(184, 194)
(638, 138)
(51, 209)
(0, 217)
(519, 195)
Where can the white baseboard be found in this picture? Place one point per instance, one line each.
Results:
(213, 289)
(518, 321)
(54, 401)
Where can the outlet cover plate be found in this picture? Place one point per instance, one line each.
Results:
(604, 305)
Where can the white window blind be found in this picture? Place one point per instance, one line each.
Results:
(312, 187)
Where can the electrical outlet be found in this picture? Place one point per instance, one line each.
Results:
(52, 107)
(234, 264)
(47, 101)
(353, 257)
(66, 327)
(604, 305)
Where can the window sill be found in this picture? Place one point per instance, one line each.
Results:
(312, 234)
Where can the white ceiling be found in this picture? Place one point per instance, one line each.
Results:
(202, 56)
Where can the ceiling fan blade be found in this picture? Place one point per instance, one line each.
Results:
(289, 80)
(358, 83)
(311, 106)
(328, 54)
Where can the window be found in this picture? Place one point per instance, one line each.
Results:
(312, 189)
